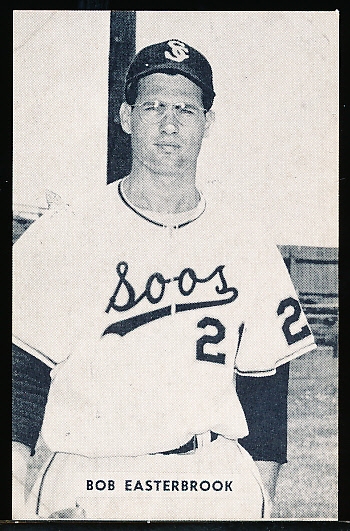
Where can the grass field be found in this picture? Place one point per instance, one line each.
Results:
(307, 485)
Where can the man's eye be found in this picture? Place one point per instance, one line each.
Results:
(150, 106)
(187, 110)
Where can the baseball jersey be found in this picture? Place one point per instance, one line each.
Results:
(145, 324)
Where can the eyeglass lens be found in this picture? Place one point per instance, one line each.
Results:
(154, 111)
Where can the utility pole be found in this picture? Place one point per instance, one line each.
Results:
(121, 52)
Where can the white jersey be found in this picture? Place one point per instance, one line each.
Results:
(145, 326)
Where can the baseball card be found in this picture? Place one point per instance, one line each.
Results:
(175, 258)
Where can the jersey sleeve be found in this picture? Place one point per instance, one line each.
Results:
(44, 278)
(275, 329)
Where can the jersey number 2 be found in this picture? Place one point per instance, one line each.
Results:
(214, 339)
(293, 318)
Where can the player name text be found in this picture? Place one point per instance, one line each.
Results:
(162, 485)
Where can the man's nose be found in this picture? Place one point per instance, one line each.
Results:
(169, 123)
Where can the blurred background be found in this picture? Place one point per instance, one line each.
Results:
(274, 147)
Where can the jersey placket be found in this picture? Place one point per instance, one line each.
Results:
(171, 232)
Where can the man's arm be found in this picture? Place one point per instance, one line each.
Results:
(30, 386)
(20, 459)
(264, 402)
(269, 473)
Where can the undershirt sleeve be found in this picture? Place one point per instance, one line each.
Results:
(264, 402)
(30, 386)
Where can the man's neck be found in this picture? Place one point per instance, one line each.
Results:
(159, 193)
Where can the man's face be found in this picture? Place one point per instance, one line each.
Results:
(168, 146)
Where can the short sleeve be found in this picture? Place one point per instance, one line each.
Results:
(275, 329)
(43, 284)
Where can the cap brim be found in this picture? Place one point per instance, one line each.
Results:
(165, 68)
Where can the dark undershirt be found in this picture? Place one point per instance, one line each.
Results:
(30, 386)
(264, 402)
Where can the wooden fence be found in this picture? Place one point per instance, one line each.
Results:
(314, 272)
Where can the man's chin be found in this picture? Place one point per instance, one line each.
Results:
(166, 165)
(169, 167)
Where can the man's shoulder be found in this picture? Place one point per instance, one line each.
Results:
(66, 220)
(233, 214)
(95, 199)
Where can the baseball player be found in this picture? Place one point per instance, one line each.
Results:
(135, 311)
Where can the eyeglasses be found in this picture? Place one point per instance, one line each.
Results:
(153, 111)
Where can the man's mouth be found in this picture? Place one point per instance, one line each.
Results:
(168, 147)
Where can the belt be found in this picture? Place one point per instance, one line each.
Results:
(190, 446)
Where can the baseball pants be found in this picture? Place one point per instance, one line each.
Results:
(216, 481)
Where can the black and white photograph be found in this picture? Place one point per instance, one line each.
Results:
(175, 265)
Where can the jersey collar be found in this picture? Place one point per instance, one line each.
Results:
(178, 220)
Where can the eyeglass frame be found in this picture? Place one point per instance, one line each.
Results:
(167, 104)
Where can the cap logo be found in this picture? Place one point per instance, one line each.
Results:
(178, 53)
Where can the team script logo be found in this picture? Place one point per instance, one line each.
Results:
(154, 292)
(179, 52)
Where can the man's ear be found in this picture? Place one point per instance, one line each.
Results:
(209, 119)
(125, 117)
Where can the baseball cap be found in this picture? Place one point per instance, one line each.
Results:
(173, 57)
